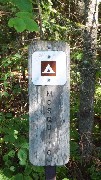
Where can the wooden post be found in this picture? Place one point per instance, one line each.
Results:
(49, 93)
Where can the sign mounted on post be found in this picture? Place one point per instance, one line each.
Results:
(49, 68)
(49, 104)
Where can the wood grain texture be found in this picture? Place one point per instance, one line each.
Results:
(49, 114)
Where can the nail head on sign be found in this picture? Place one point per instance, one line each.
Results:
(49, 46)
(49, 56)
(48, 80)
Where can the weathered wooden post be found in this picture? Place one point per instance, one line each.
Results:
(49, 111)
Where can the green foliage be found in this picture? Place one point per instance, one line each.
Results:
(22, 155)
(25, 5)
(15, 149)
(24, 14)
(94, 172)
(77, 55)
(57, 24)
(62, 172)
(2, 176)
(17, 23)
(23, 21)
(97, 99)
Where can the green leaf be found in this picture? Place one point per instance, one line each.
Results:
(35, 175)
(5, 94)
(17, 23)
(11, 153)
(16, 134)
(27, 178)
(2, 176)
(25, 145)
(7, 173)
(98, 91)
(8, 163)
(22, 155)
(24, 14)
(17, 56)
(20, 24)
(5, 157)
(11, 22)
(6, 84)
(28, 169)
(31, 25)
(25, 116)
(4, 1)
(19, 176)
(38, 169)
(12, 168)
(79, 56)
(8, 115)
(16, 89)
(22, 163)
(9, 138)
(23, 5)
(74, 146)
(2, 116)
(1, 140)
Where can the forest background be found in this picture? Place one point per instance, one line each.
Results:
(21, 22)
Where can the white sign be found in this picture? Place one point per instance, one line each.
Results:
(49, 68)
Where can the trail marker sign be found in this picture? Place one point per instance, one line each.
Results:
(49, 68)
(49, 104)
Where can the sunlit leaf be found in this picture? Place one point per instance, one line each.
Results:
(17, 23)
(31, 25)
(12, 168)
(11, 153)
(23, 5)
(19, 176)
(5, 94)
(22, 163)
(25, 145)
(22, 155)
(24, 14)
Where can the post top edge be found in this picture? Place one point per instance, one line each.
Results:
(49, 42)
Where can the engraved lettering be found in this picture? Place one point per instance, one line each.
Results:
(49, 126)
(48, 152)
(49, 93)
(49, 119)
(48, 110)
(49, 102)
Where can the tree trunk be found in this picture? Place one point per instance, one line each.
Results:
(88, 71)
